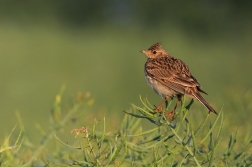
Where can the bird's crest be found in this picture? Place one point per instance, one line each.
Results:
(155, 46)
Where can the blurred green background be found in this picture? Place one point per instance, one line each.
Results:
(94, 46)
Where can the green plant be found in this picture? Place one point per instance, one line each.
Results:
(167, 143)
(176, 143)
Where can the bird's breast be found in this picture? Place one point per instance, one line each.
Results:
(160, 89)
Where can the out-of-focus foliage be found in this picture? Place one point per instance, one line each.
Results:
(201, 16)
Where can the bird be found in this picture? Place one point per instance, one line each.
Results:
(170, 77)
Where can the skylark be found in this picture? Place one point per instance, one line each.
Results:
(170, 77)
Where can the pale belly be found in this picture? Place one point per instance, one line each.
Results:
(159, 88)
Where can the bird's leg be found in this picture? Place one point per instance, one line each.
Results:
(158, 108)
(172, 113)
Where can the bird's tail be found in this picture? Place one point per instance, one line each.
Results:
(204, 102)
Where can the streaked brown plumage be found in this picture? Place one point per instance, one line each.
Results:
(171, 77)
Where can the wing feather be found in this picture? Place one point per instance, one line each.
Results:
(172, 73)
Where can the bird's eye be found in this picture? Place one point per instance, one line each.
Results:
(154, 52)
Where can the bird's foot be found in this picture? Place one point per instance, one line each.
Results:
(158, 108)
(170, 115)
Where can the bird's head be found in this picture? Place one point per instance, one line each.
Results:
(155, 51)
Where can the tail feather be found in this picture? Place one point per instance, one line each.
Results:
(204, 102)
(199, 89)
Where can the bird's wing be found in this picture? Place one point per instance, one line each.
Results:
(173, 74)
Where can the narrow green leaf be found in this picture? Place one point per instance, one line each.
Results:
(124, 155)
(115, 153)
(63, 143)
(134, 115)
(201, 125)
(147, 107)
(217, 141)
(144, 133)
(144, 112)
(247, 147)
(211, 129)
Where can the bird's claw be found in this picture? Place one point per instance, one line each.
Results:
(157, 109)
(170, 115)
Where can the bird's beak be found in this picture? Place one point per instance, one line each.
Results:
(142, 51)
